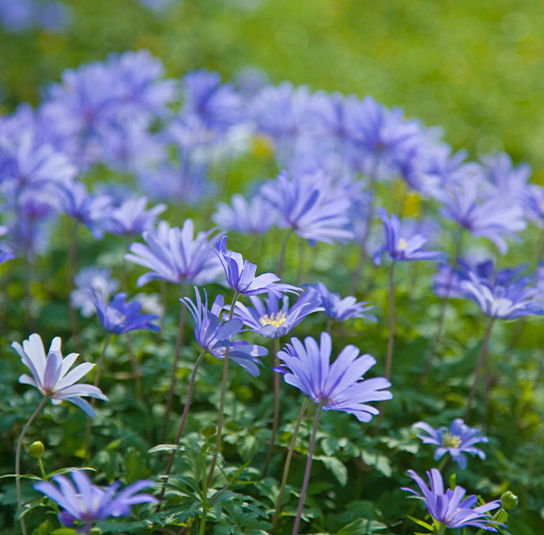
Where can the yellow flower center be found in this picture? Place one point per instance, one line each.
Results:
(451, 441)
(402, 244)
(276, 320)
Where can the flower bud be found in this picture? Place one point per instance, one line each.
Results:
(509, 500)
(36, 449)
(209, 431)
(95, 531)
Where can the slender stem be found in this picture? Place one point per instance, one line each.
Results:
(288, 461)
(441, 529)
(18, 458)
(443, 462)
(329, 325)
(163, 300)
(42, 469)
(179, 345)
(28, 291)
(481, 358)
(223, 393)
(136, 374)
(307, 472)
(282, 254)
(300, 269)
(442, 315)
(124, 266)
(70, 271)
(181, 426)
(204, 495)
(275, 349)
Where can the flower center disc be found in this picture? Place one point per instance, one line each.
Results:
(451, 441)
(276, 320)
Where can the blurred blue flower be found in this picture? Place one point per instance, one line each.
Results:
(340, 385)
(402, 249)
(132, 218)
(340, 309)
(269, 320)
(447, 508)
(23, 15)
(88, 281)
(456, 440)
(6, 252)
(50, 373)
(119, 317)
(241, 275)
(85, 504)
(174, 256)
(214, 334)
(533, 202)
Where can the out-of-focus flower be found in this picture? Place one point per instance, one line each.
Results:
(214, 334)
(340, 385)
(449, 508)
(538, 281)
(120, 317)
(23, 15)
(339, 309)
(533, 202)
(132, 218)
(270, 320)
(253, 217)
(6, 252)
(174, 256)
(404, 249)
(310, 205)
(88, 281)
(250, 81)
(456, 440)
(241, 275)
(85, 504)
(50, 373)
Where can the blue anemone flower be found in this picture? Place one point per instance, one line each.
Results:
(456, 440)
(86, 503)
(449, 508)
(214, 334)
(132, 218)
(340, 385)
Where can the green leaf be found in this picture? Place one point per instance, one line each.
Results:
(337, 467)
(362, 526)
(380, 462)
(421, 523)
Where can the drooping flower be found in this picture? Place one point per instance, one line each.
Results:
(132, 218)
(339, 309)
(50, 373)
(119, 317)
(403, 249)
(88, 281)
(241, 275)
(340, 385)
(85, 504)
(214, 334)
(456, 440)
(174, 256)
(270, 320)
(449, 508)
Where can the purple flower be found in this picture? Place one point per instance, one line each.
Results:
(241, 275)
(538, 280)
(253, 217)
(448, 509)
(89, 281)
(456, 440)
(310, 205)
(214, 334)
(174, 256)
(533, 202)
(132, 218)
(86, 503)
(340, 385)
(119, 317)
(342, 309)
(50, 373)
(6, 252)
(271, 321)
(401, 248)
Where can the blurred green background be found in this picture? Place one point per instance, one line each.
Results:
(473, 67)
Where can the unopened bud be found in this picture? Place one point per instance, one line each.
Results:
(509, 500)
(95, 531)
(36, 449)
(209, 431)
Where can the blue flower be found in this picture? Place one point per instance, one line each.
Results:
(50, 373)
(404, 249)
(456, 440)
(271, 321)
(310, 205)
(241, 275)
(86, 503)
(173, 255)
(449, 508)
(88, 281)
(119, 317)
(340, 309)
(214, 334)
(132, 218)
(340, 385)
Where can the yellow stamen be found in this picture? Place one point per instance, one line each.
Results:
(277, 320)
(451, 441)
(402, 244)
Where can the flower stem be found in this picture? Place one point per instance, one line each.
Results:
(481, 358)
(288, 461)
(300, 269)
(441, 529)
(205, 504)
(282, 254)
(276, 348)
(70, 270)
(223, 393)
(18, 458)
(179, 345)
(181, 426)
(308, 469)
(443, 462)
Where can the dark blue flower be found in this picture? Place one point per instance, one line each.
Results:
(340, 309)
